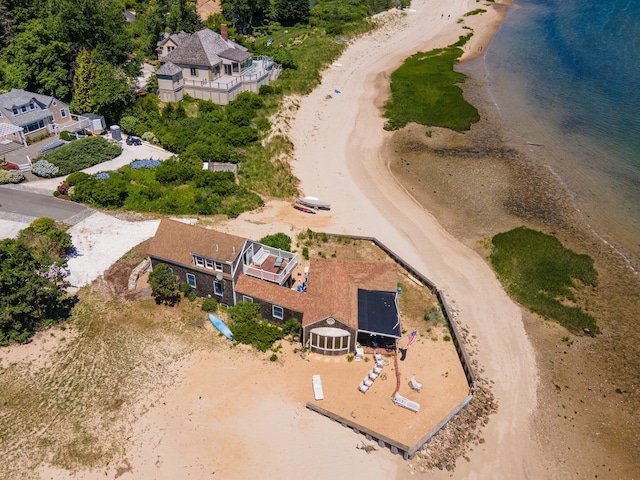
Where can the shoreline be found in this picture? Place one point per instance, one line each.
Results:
(489, 180)
(344, 134)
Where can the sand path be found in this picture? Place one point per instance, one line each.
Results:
(338, 138)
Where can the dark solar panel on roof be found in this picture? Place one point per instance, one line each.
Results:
(378, 313)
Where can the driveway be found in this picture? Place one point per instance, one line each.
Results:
(128, 155)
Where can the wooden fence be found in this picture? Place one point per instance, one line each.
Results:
(396, 447)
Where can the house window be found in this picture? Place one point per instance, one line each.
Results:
(194, 72)
(32, 106)
(227, 69)
(55, 103)
(23, 108)
(15, 111)
(235, 68)
(199, 261)
(277, 312)
(63, 113)
(217, 288)
(191, 280)
(208, 263)
(218, 266)
(170, 49)
(32, 127)
(247, 298)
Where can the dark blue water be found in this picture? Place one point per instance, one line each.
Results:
(566, 74)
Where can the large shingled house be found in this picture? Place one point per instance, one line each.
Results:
(207, 65)
(336, 302)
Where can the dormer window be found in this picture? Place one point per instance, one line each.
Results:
(23, 108)
(199, 261)
(15, 111)
(55, 103)
(32, 106)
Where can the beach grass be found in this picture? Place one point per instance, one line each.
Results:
(424, 90)
(544, 276)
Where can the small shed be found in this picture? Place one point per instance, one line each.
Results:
(97, 123)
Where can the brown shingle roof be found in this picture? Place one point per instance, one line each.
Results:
(332, 289)
(176, 242)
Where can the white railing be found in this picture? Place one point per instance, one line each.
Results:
(279, 278)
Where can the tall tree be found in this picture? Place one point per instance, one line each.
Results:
(27, 296)
(164, 286)
(99, 87)
(84, 81)
(290, 12)
(37, 61)
(247, 14)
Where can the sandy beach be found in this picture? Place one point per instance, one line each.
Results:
(339, 156)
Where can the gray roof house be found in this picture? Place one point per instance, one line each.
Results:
(26, 114)
(207, 65)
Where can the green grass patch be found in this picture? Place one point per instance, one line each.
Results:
(424, 90)
(477, 11)
(544, 276)
(82, 153)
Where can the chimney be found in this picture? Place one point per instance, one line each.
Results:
(224, 32)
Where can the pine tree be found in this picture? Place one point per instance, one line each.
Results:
(84, 82)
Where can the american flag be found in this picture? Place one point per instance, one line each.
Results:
(412, 337)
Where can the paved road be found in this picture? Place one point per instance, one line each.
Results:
(24, 206)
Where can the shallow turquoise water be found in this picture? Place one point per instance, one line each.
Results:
(566, 74)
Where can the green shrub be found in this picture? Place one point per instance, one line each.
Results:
(77, 178)
(273, 357)
(334, 28)
(164, 286)
(277, 240)
(66, 136)
(129, 124)
(265, 90)
(209, 305)
(305, 253)
(259, 333)
(187, 291)
(291, 327)
(82, 153)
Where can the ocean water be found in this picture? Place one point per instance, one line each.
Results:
(565, 74)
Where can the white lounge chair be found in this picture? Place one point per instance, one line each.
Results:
(363, 388)
(406, 403)
(373, 375)
(367, 381)
(377, 370)
(317, 388)
(377, 356)
(414, 384)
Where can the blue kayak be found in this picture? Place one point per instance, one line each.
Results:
(221, 326)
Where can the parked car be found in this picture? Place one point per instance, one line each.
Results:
(132, 140)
